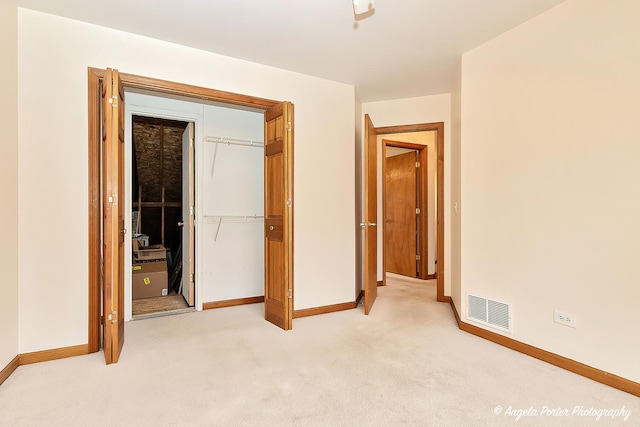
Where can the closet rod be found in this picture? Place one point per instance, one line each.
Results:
(234, 141)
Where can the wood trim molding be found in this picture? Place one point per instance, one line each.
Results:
(432, 276)
(380, 282)
(440, 258)
(231, 302)
(94, 211)
(54, 354)
(9, 369)
(324, 309)
(421, 127)
(191, 91)
(571, 365)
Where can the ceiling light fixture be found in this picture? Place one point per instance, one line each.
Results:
(363, 8)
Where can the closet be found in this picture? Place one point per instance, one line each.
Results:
(228, 177)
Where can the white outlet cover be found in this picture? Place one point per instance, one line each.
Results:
(565, 319)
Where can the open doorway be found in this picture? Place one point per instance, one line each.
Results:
(373, 257)
(409, 179)
(162, 234)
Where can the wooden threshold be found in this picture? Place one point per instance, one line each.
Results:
(314, 311)
(54, 354)
(231, 302)
(571, 365)
(9, 369)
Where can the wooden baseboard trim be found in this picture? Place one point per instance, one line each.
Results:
(571, 365)
(432, 276)
(54, 354)
(231, 302)
(380, 283)
(8, 370)
(324, 309)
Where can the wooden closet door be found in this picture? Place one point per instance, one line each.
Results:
(278, 215)
(113, 214)
(370, 215)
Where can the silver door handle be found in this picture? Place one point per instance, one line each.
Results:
(181, 223)
(367, 224)
(271, 228)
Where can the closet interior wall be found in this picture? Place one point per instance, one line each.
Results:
(232, 204)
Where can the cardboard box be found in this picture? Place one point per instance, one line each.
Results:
(150, 253)
(149, 279)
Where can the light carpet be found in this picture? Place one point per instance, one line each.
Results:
(405, 364)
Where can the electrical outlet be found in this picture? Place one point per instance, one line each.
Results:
(564, 318)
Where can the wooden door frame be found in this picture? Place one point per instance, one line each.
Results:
(423, 203)
(95, 76)
(439, 128)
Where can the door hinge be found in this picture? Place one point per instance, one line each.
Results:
(417, 257)
(417, 211)
(417, 164)
(190, 142)
(113, 317)
(114, 101)
(191, 210)
(289, 294)
(288, 126)
(192, 278)
(113, 199)
(289, 202)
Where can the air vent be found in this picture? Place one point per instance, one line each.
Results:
(488, 312)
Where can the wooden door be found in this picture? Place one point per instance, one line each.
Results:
(400, 214)
(278, 215)
(370, 215)
(188, 207)
(113, 214)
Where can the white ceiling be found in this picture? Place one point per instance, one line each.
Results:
(407, 48)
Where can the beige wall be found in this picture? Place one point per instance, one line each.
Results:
(54, 55)
(425, 109)
(9, 180)
(550, 194)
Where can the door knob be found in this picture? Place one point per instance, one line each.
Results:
(181, 224)
(271, 228)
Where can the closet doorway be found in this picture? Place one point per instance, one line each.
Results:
(161, 184)
(107, 227)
